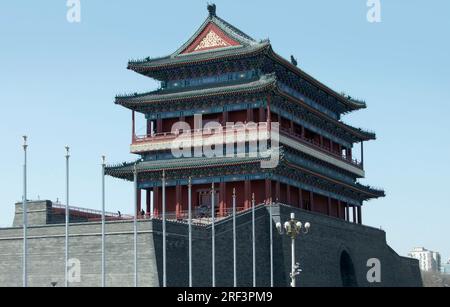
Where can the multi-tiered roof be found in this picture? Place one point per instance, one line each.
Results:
(217, 46)
(241, 68)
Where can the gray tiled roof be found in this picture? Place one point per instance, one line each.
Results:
(194, 92)
(120, 170)
(247, 45)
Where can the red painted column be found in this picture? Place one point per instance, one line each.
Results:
(292, 126)
(359, 215)
(347, 212)
(288, 194)
(268, 111)
(354, 214)
(222, 198)
(133, 126)
(148, 201)
(362, 153)
(262, 115)
(178, 206)
(181, 119)
(339, 209)
(300, 198)
(311, 201)
(329, 207)
(247, 192)
(224, 118)
(139, 202)
(303, 132)
(149, 127)
(277, 191)
(159, 125)
(156, 197)
(268, 188)
(249, 115)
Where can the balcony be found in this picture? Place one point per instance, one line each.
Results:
(323, 148)
(232, 134)
(200, 137)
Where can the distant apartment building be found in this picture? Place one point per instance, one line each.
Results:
(429, 261)
(445, 268)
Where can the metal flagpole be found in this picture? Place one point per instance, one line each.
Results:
(271, 242)
(164, 228)
(135, 225)
(234, 239)
(190, 229)
(253, 240)
(213, 235)
(293, 282)
(103, 222)
(25, 217)
(67, 219)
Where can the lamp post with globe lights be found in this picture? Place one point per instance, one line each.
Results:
(293, 228)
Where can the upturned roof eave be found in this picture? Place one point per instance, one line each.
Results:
(350, 104)
(159, 64)
(245, 42)
(126, 170)
(357, 132)
(265, 83)
(261, 84)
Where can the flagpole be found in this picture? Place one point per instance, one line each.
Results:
(271, 242)
(25, 217)
(253, 240)
(213, 235)
(135, 225)
(190, 229)
(234, 239)
(164, 229)
(103, 223)
(67, 219)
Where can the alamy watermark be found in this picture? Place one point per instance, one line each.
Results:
(234, 140)
(374, 12)
(73, 11)
(374, 273)
(74, 270)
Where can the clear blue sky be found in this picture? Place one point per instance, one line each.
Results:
(58, 81)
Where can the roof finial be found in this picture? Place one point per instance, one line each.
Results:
(293, 60)
(212, 9)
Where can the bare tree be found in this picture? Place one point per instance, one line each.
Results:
(435, 279)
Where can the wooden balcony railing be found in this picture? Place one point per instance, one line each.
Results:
(164, 136)
(323, 148)
(167, 136)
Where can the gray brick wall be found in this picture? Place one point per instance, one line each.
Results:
(317, 252)
(38, 213)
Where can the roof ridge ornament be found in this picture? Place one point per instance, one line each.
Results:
(293, 60)
(211, 9)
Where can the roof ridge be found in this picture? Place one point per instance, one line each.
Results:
(234, 29)
(223, 25)
(344, 98)
(263, 79)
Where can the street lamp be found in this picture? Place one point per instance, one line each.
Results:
(293, 228)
